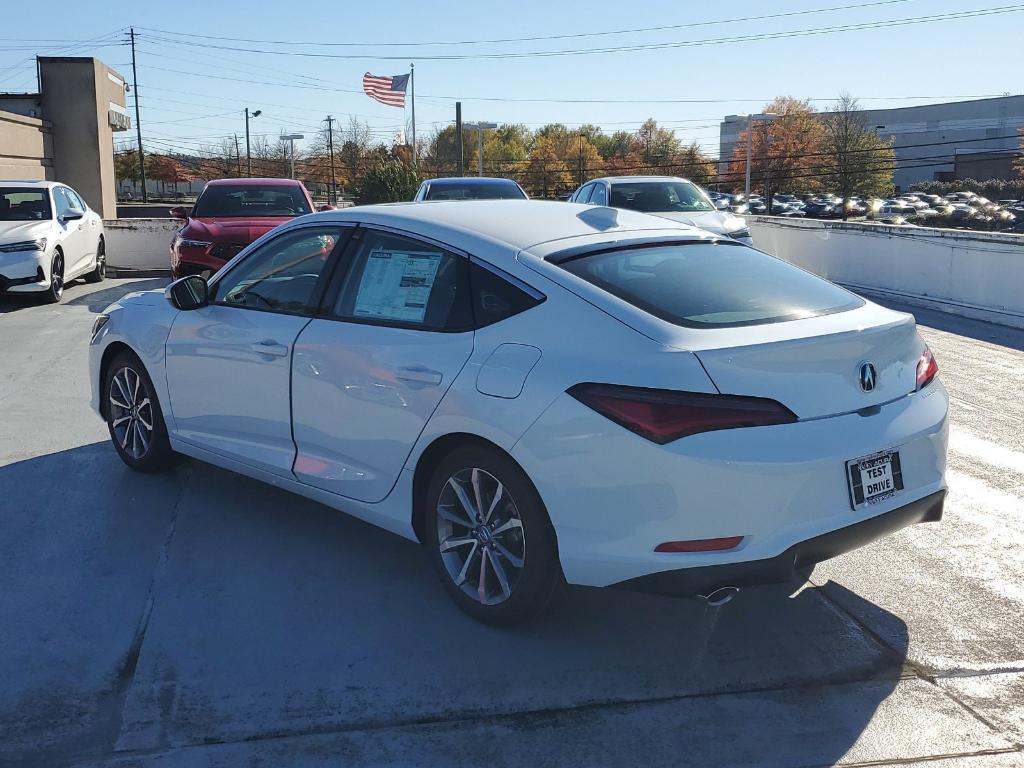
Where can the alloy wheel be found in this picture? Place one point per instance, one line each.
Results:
(101, 263)
(480, 536)
(131, 413)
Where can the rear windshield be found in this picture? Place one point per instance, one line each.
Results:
(711, 285)
(243, 200)
(660, 197)
(24, 204)
(475, 192)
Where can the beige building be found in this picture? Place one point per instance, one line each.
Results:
(65, 132)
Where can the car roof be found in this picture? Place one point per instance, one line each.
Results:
(516, 224)
(628, 179)
(31, 183)
(260, 182)
(471, 181)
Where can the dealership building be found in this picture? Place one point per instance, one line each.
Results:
(65, 130)
(974, 139)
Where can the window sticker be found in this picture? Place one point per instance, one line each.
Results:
(396, 285)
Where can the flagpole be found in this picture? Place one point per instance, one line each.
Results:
(412, 86)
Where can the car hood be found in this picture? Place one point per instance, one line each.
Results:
(17, 231)
(231, 230)
(719, 222)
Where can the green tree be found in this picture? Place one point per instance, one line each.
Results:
(854, 160)
(387, 179)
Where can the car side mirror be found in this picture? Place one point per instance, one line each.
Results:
(72, 214)
(178, 212)
(326, 207)
(188, 293)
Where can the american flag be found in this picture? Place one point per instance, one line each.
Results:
(386, 89)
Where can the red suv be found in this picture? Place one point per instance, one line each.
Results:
(230, 214)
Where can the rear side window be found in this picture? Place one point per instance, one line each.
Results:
(495, 298)
(711, 285)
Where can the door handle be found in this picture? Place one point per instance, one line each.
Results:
(419, 375)
(270, 347)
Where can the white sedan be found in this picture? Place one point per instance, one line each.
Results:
(536, 390)
(48, 237)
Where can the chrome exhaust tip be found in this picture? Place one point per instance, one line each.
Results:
(719, 597)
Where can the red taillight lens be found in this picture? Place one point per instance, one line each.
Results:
(663, 415)
(926, 368)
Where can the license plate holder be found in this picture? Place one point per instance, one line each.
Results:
(874, 478)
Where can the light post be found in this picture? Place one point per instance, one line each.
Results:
(290, 138)
(248, 157)
(480, 128)
(750, 143)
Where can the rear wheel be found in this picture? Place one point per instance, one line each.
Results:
(99, 273)
(490, 537)
(134, 419)
(56, 289)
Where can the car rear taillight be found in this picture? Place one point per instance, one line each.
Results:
(663, 415)
(926, 368)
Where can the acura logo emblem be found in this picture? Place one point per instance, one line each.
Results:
(867, 377)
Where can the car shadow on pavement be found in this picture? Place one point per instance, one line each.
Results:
(99, 300)
(981, 330)
(197, 607)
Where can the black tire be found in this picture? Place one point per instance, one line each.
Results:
(99, 274)
(54, 293)
(529, 587)
(130, 395)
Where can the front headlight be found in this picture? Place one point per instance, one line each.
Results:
(186, 243)
(740, 234)
(24, 245)
(98, 324)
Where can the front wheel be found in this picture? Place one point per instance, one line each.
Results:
(490, 537)
(134, 419)
(56, 289)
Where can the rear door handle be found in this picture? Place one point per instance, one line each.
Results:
(419, 375)
(271, 348)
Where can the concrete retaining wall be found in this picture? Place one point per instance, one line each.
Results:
(974, 274)
(140, 245)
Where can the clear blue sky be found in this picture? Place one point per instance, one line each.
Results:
(945, 60)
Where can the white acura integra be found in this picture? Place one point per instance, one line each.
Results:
(48, 237)
(534, 389)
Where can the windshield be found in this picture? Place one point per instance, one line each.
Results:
(496, 191)
(20, 204)
(660, 197)
(250, 201)
(711, 285)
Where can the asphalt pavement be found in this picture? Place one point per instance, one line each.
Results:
(200, 618)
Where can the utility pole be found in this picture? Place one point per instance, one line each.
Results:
(458, 139)
(750, 144)
(330, 148)
(138, 123)
(238, 157)
(248, 156)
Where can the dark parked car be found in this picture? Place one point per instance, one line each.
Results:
(469, 188)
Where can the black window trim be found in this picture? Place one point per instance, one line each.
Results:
(330, 295)
(333, 258)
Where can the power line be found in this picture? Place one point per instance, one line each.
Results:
(576, 35)
(914, 20)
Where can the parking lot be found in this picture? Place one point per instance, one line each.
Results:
(203, 619)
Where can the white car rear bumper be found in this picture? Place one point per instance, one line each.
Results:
(614, 496)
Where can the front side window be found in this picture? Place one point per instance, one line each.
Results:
(283, 274)
(710, 285)
(250, 200)
(20, 204)
(660, 197)
(76, 200)
(396, 280)
(61, 201)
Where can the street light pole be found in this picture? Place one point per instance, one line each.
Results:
(330, 147)
(248, 157)
(290, 138)
(480, 128)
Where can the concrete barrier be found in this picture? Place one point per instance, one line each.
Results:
(975, 274)
(140, 246)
